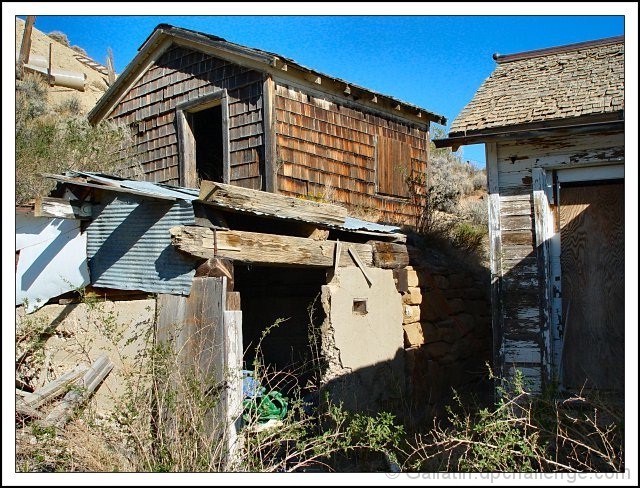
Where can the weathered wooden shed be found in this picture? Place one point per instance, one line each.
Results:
(552, 121)
(203, 108)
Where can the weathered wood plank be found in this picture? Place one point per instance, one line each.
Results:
(24, 410)
(61, 208)
(55, 387)
(593, 285)
(61, 414)
(280, 206)
(233, 302)
(233, 393)
(389, 255)
(543, 231)
(264, 249)
(192, 327)
(495, 254)
(270, 155)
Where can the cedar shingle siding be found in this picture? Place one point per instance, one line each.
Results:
(180, 75)
(547, 87)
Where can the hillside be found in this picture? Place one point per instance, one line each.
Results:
(64, 58)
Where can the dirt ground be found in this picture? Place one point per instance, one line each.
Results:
(63, 58)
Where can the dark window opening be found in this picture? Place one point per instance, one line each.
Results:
(359, 306)
(206, 126)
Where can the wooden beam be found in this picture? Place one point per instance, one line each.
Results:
(262, 249)
(389, 255)
(495, 257)
(269, 128)
(25, 45)
(61, 414)
(270, 204)
(543, 230)
(360, 264)
(55, 387)
(61, 208)
(24, 410)
(313, 78)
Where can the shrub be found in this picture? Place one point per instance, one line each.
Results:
(60, 37)
(60, 139)
(524, 432)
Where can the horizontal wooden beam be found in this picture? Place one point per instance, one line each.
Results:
(270, 204)
(389, 255)
(61, 208)
(263, 249)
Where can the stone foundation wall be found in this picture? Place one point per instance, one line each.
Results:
(447, 333)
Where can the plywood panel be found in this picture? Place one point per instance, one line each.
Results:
(592, 263)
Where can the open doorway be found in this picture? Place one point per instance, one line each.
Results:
(290, 299)
(206, 126)
(203, 139)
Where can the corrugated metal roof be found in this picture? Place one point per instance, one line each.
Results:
(146, 187)
(351, 223)
(129, 245)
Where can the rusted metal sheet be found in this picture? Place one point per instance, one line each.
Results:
(129, 245)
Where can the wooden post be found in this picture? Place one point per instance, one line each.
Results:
(25, 46)
(270, 146)
(495, 256)
(49, 75)
(542, 217)
(358, 261)
(111, 74)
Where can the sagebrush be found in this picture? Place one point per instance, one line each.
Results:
(57, 139)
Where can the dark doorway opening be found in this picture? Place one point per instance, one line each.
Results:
(206, 126)
(289, 298)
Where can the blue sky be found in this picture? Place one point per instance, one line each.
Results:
(434, 61)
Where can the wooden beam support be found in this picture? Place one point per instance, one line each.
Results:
(269, 129)
(360, 264)
(270, 204)
(25, 45)
(263, 249)
(389, 255)
(61, 208)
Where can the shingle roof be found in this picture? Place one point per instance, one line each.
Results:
(550, 84)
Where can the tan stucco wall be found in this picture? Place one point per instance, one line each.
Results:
(364, 351)
(122, 330)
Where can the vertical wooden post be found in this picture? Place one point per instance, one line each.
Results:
(495, 256)
(270, 137)
(49, 75)
(226, 148)
(233, 348)
(542, 222)
(25, 46)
